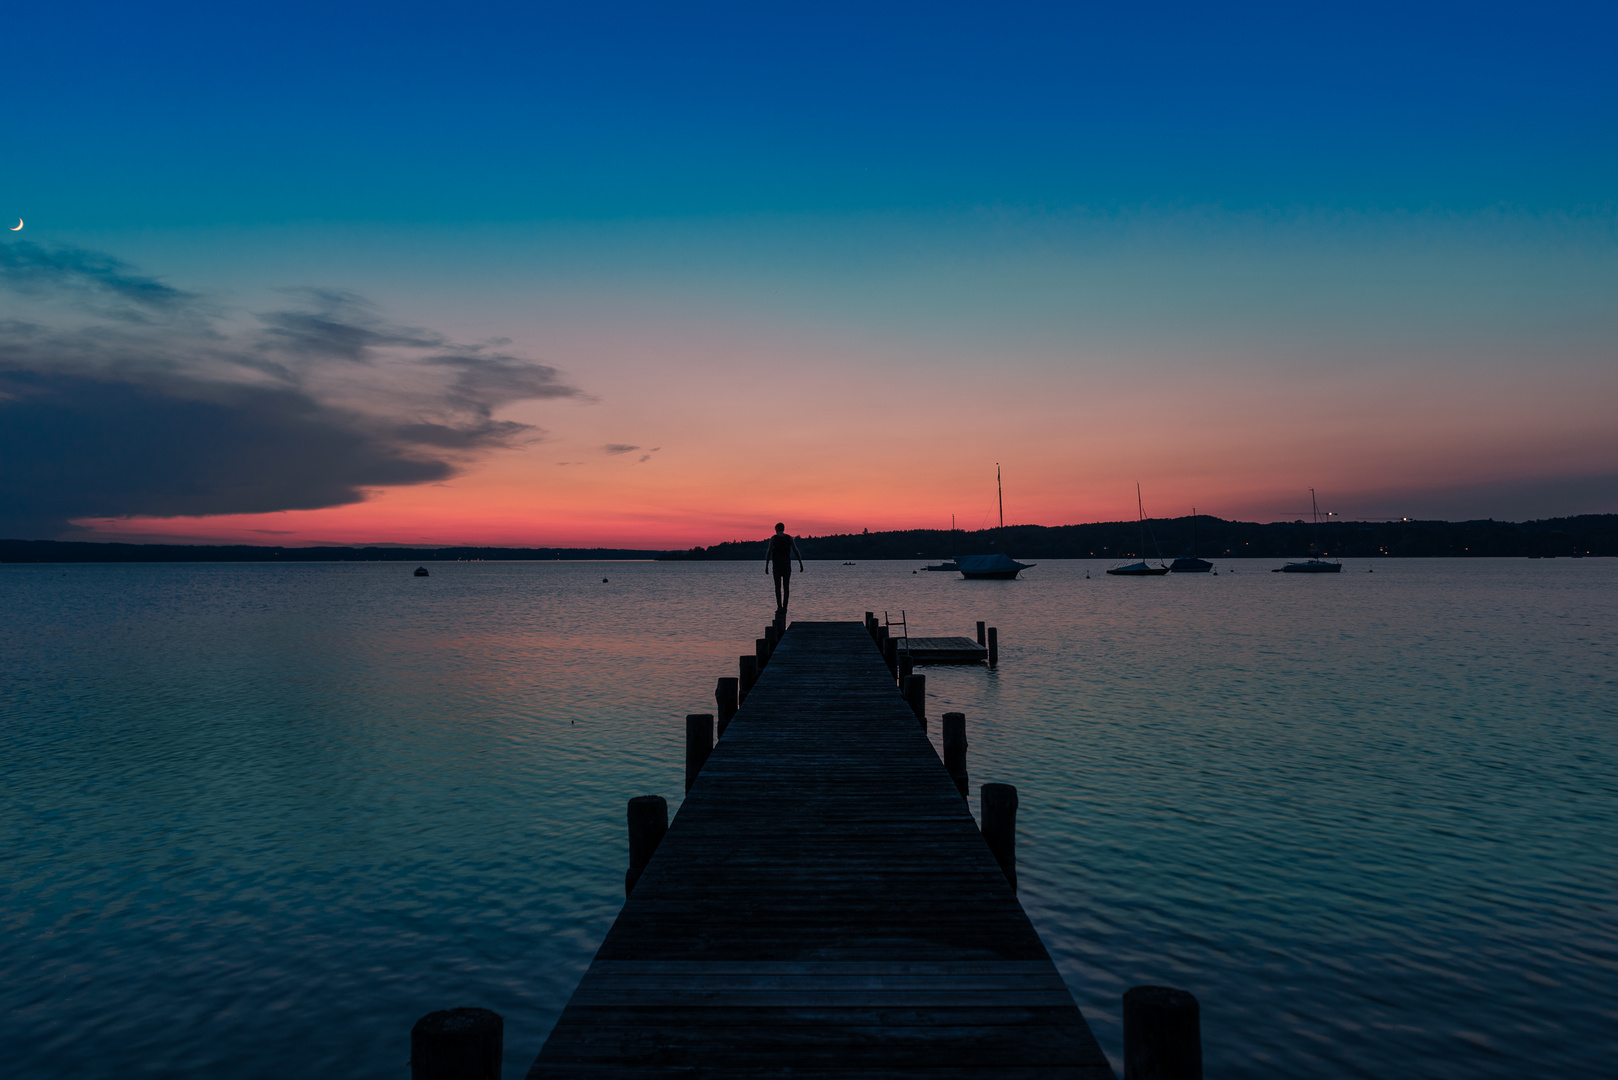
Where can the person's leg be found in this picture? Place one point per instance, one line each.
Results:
(778, 583)
(786, 591)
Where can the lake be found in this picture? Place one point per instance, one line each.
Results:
(259, 818)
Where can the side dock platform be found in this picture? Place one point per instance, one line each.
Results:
(823, 905)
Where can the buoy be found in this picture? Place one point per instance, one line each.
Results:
(603, 581)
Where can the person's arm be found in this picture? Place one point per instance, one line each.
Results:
(769, 547)
(796, 552)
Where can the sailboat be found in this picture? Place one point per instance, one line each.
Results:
(1314, 564)
(999, 566)
(1140, 569)
(1192, 565)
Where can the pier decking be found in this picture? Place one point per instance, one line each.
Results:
(822, 905)
(945, 650)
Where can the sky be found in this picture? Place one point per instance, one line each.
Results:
(660, 275)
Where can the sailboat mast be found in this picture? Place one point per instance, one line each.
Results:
(1140, 518)
(1000, 493)
(1193, 532)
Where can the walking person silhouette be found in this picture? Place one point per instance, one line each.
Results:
(778, 553)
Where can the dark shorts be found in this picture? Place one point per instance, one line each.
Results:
(781, 569)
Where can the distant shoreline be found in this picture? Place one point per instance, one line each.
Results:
(1594, 535)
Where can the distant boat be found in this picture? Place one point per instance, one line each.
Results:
(1314, 564)
(1310, 566)
(996, 567)
(1192, 564)
(421, 571)
(1140, 569)
(942, 566)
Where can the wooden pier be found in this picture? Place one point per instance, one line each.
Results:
(945, 650)
(822, 905)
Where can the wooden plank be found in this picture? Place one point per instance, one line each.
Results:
(947, 650)
(822, 906)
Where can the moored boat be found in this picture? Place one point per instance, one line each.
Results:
(1190, 564)
(995, 567)
(1311, 566)
(1314, 564)
(1140, 569)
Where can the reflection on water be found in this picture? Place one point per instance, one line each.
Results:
(258, 818)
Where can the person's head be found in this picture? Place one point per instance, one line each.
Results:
(780, 526)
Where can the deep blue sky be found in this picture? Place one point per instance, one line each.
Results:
(196, 114)
(1232, 254)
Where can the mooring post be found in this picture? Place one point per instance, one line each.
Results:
(772, 638)
(457, 1044)
(994, 647)
(761, 653)
(907, 667)
(998, 803)
(648, 821)
(870, 623)
(915, 695)
(727, 697)
(1162, 1034)
(698, 744)
(890, 655)
(780, 623)
(749, 674)
(955, 748)
(980, 632)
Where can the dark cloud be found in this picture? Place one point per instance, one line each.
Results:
(618, 448)
(177, 414)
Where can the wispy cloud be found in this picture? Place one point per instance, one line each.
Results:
(614, 448)
(121, 395)
(94, 279)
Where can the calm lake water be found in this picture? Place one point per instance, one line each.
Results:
(259, 818)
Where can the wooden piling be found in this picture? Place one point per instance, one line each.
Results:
(772, 638)
(907, 666)
(727, 698)
(994, 647)
(870, 624)
(955, 744)
(998, 806)
(980, 631)
(648, 821)
(881, 637)
(890, 655)
(698, 744)
(1162, 1034)
(915, 694)
(748, 675)
(457, 1044)
(761, 653)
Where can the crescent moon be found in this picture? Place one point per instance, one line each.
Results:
(19, 225)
